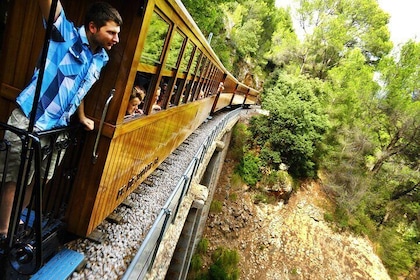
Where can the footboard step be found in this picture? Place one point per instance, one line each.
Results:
(61, 266)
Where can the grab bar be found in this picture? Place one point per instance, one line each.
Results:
(101, 124)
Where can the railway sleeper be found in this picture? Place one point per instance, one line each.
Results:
(115, 218)
(97, 236)
(128, 203)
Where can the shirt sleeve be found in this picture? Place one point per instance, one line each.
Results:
(63, 30)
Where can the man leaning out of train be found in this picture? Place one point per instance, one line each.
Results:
(83, 50)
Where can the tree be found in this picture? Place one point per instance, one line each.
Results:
(295, 125)
(399, 130)
(333, 27)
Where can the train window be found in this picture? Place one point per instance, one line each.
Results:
(145, 81)
(174, 51)
(195, 61)
(187, 91)
(197, 92)
(203, 65)
(187, 57)
(165, 92)
(155, 40)
(178, 89)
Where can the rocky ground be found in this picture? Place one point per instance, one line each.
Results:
(287, 241)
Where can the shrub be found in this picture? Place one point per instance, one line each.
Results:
(395, 252)
(196, 263)
(294, 127)
(239, 141)
(216, 206)
(249, 169)
(236, 181)
(225, 265)
(202, 246)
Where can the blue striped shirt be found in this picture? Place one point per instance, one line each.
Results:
(70, 71)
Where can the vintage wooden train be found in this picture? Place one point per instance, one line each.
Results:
(162, 50)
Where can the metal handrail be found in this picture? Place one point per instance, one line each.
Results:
(101, 124)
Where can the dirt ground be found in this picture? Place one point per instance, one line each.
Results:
(287, 241)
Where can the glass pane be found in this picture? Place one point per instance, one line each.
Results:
(174, 51)
(155, 40)
(187, 55)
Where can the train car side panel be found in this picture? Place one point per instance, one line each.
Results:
(133, 153)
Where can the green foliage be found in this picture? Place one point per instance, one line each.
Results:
(195, 270)
(397, 253)
(263, 197)
(249, 169)
(206, 14)
(236, 182)
(155, 40)
(350, 25)
(216, 206)
(233, 196)
(196, 263)
(202, 246)
(225, 265)
(277, 179)
(239, 142)
(294, 127)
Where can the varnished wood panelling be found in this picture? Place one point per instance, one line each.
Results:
(132, 155)
(224, 100)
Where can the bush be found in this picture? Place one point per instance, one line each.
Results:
(396, 253)
(225, 265)
(236, 181)
(260, 198)
(202, 246)
(196, 263)
(249, 169)
(294, 127)
(239, 142)
(216, 206)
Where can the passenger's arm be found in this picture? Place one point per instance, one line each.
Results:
(45, 6)
(87, 123)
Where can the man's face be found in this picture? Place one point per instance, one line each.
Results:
(106, 36)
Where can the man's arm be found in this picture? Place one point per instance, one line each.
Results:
(88, 123)
(45, 6)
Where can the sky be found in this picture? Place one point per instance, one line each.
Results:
(404, 22)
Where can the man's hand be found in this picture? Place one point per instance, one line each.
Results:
(87, 123)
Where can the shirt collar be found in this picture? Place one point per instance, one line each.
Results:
(83, 37)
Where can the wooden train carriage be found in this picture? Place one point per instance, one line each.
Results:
(235, 93)
(169, 58)
(225, 97)
(160, 48)
(252, 97)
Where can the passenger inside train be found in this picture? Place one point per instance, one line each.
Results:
(156, 106)
(135, 104)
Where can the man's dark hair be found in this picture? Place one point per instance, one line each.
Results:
(100, 13)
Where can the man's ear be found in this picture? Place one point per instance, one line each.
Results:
(92, 27)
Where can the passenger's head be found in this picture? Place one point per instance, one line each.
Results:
(100, 13)
(102, 24)
(135, 99)
(139, 90)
